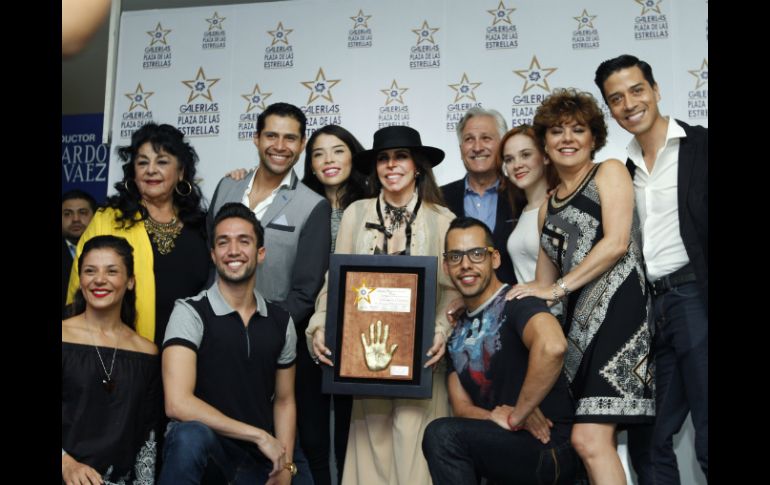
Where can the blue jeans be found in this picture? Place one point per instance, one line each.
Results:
(193, 453)
(681, 372)
(460, 451)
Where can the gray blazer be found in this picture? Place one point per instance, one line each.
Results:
(296, 249)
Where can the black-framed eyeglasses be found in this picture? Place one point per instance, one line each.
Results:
(476, 255)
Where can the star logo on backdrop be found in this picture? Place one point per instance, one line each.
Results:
(464, 89)
(280, 34)
(702, 74)
(139, 98)
(585, 21)
(501, 14)
(535, 75)
(200, 86)
(215, 22)
(158, 35)
(360, 20)
(320, 87)
(363, 293)
(425, 33)
(256, 98)
(650, 5)
(394, 93)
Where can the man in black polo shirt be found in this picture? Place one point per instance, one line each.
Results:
(228, 369)
(513, 409)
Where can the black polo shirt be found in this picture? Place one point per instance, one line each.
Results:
(236, 364)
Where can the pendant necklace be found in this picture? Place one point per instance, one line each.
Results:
(107, 382)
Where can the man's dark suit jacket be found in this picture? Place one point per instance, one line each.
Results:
(453, 196)
(693, 199)
(66, 267)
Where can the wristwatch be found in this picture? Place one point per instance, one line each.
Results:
(291, 467)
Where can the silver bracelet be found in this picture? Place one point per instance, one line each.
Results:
(563, 286)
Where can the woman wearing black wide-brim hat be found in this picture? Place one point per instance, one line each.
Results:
(407, 217)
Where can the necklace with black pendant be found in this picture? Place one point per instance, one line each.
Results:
(107, 382)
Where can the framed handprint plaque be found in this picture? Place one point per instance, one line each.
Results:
(379, 325)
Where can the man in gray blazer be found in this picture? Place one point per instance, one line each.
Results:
(296, 219)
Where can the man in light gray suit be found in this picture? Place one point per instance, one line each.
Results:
(296, 219)
(297, 240)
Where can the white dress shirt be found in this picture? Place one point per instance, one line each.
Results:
(657, 205)
(261, 207)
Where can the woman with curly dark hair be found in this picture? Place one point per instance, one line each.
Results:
(158, 210)
(591, 257)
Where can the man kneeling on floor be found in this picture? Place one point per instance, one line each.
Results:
(513, 412)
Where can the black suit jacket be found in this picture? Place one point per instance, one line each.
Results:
(453, 196)
(66, 267)
(693, 198)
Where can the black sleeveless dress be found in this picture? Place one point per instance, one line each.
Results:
(608, 361)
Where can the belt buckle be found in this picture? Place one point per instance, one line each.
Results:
(661, 285)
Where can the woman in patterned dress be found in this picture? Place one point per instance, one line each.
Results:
(591, 254)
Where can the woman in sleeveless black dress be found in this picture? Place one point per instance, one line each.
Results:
(591, 254)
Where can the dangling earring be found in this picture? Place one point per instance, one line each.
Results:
(189, 188)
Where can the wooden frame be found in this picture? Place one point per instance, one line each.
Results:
(399, 292)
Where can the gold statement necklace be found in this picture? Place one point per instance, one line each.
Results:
(163, 234)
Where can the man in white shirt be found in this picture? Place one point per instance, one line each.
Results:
(668, 161)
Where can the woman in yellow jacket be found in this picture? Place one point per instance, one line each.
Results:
(158, 211)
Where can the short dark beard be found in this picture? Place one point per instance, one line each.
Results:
(236, 281)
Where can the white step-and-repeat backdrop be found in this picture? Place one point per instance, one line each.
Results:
(366, 64)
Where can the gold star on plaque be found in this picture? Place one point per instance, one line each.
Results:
(256, 98)
(702, 74)
(425, 33)
(158, 35)
(501, 14)
(280, 34)
(139, 98)
(200, 86)
(464, 89)
(585, 20)
(363, 293)
(215, 22)
(394, 93)
(360, 19)
(535, 75)
(649, 5)
(320, 87)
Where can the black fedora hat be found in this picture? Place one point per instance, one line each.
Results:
(396, 137)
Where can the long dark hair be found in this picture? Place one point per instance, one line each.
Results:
(169, 139)
(355, 187)
(427, 188)
(123, 249)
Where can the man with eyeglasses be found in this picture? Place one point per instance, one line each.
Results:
(513, 412)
